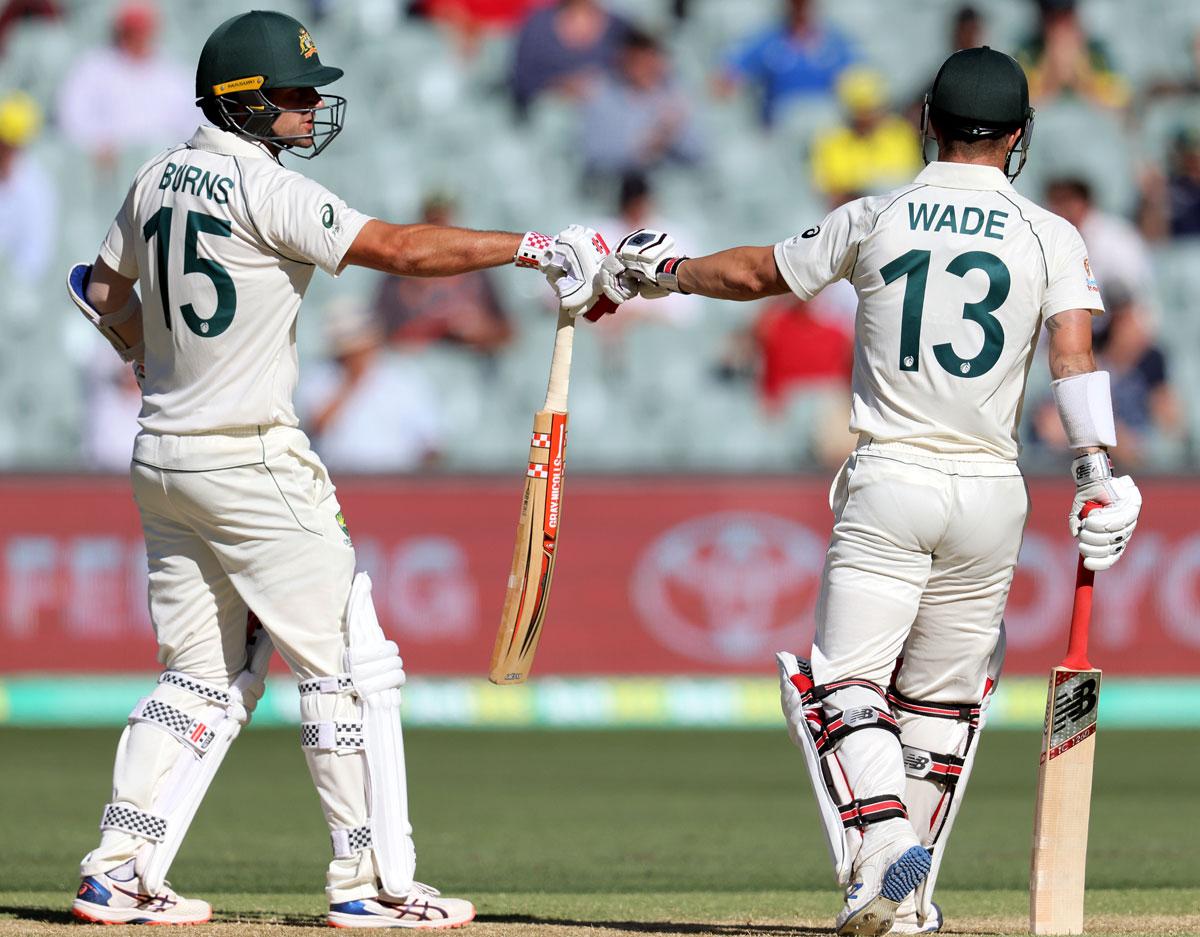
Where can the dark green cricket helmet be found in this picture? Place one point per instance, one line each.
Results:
(253, 53)
(981, 94)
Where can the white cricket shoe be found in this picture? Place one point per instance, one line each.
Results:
(907, 921)
(116, 897)
(881, 882)
(423, 907)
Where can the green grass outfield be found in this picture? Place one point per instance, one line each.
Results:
(631, 832)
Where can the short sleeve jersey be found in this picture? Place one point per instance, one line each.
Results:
(954, 275)
(223, 241)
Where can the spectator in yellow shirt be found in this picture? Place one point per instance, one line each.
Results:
(875, 150)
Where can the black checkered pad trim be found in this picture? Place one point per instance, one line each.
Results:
(345, 735)
(314, 685)
(359, 838)
(188, 730)
(192, 685)
(131, 820)
(176, 720)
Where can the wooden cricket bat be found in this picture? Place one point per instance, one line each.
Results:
(541, 514)
(1064, 797)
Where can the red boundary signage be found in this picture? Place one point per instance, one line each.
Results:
(657, 575)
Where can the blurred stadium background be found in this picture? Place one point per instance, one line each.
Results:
(704, 435)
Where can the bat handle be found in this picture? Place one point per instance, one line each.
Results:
(603, 307)
(1081, 610)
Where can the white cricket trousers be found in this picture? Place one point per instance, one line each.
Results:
(919, 567)
(917, 572)
(233, 521)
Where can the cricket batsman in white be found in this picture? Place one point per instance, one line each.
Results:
(241, 521)
(955, 274)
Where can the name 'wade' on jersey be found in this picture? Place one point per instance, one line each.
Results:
(954, 276)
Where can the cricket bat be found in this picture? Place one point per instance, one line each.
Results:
(541, 514)
(1064, 796)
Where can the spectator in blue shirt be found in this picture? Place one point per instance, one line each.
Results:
(638, 118)
(800, 56)
(564, 48)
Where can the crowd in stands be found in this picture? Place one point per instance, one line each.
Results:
(747, 122)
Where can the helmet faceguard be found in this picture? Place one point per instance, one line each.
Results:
(252, 114)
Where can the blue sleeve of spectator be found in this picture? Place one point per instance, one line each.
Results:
(1153, 368)
(746, 60)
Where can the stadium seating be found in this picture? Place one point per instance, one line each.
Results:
(423, 119)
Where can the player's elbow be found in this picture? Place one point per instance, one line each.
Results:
(410, 255)
(754, 281)
(751, 273)
(395, 249)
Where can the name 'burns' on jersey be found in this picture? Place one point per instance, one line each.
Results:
(954, 275)
(224, 242)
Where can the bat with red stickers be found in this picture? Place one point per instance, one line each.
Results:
(1064, 796)
(541, 517)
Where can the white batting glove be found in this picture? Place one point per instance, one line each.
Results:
(572, 268)
(1105, 532)
(650, 256)
(620, 285)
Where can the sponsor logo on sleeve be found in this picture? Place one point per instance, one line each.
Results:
(1092, 285)
(812, 232)
(327, 215)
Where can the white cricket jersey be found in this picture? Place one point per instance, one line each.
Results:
(224, 241)
(954, 276)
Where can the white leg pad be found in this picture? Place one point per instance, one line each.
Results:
(940, 742)
(821, 720)
(203, 720)
(376, 671)
(356, 754)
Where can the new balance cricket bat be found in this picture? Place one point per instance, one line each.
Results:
(541, 514)
(1064, 797)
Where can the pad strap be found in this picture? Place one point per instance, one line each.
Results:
(837, 727)
(864, 811)
(963, 712)
(815, 693)
(338, 684)
(332, 735)
(193, 733)
(200, 688)
(932, 766)
(348, 843)
(128, 819)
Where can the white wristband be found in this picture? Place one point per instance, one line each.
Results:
(1085, 407)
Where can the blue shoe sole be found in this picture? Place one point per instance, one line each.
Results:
(905, 874)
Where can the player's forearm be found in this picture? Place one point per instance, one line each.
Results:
(1085, 413)
(423, 250)
(740, 273)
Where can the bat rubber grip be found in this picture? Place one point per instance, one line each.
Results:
(1081, 610)
(603, 307)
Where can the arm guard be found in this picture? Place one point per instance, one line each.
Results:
(77, 281)
(1085, 407)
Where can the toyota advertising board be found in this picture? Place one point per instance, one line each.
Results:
(656, 576)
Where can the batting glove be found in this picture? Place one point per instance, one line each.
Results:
(1105, 532)
(572, 266)
(650, 257)
(77, 281)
